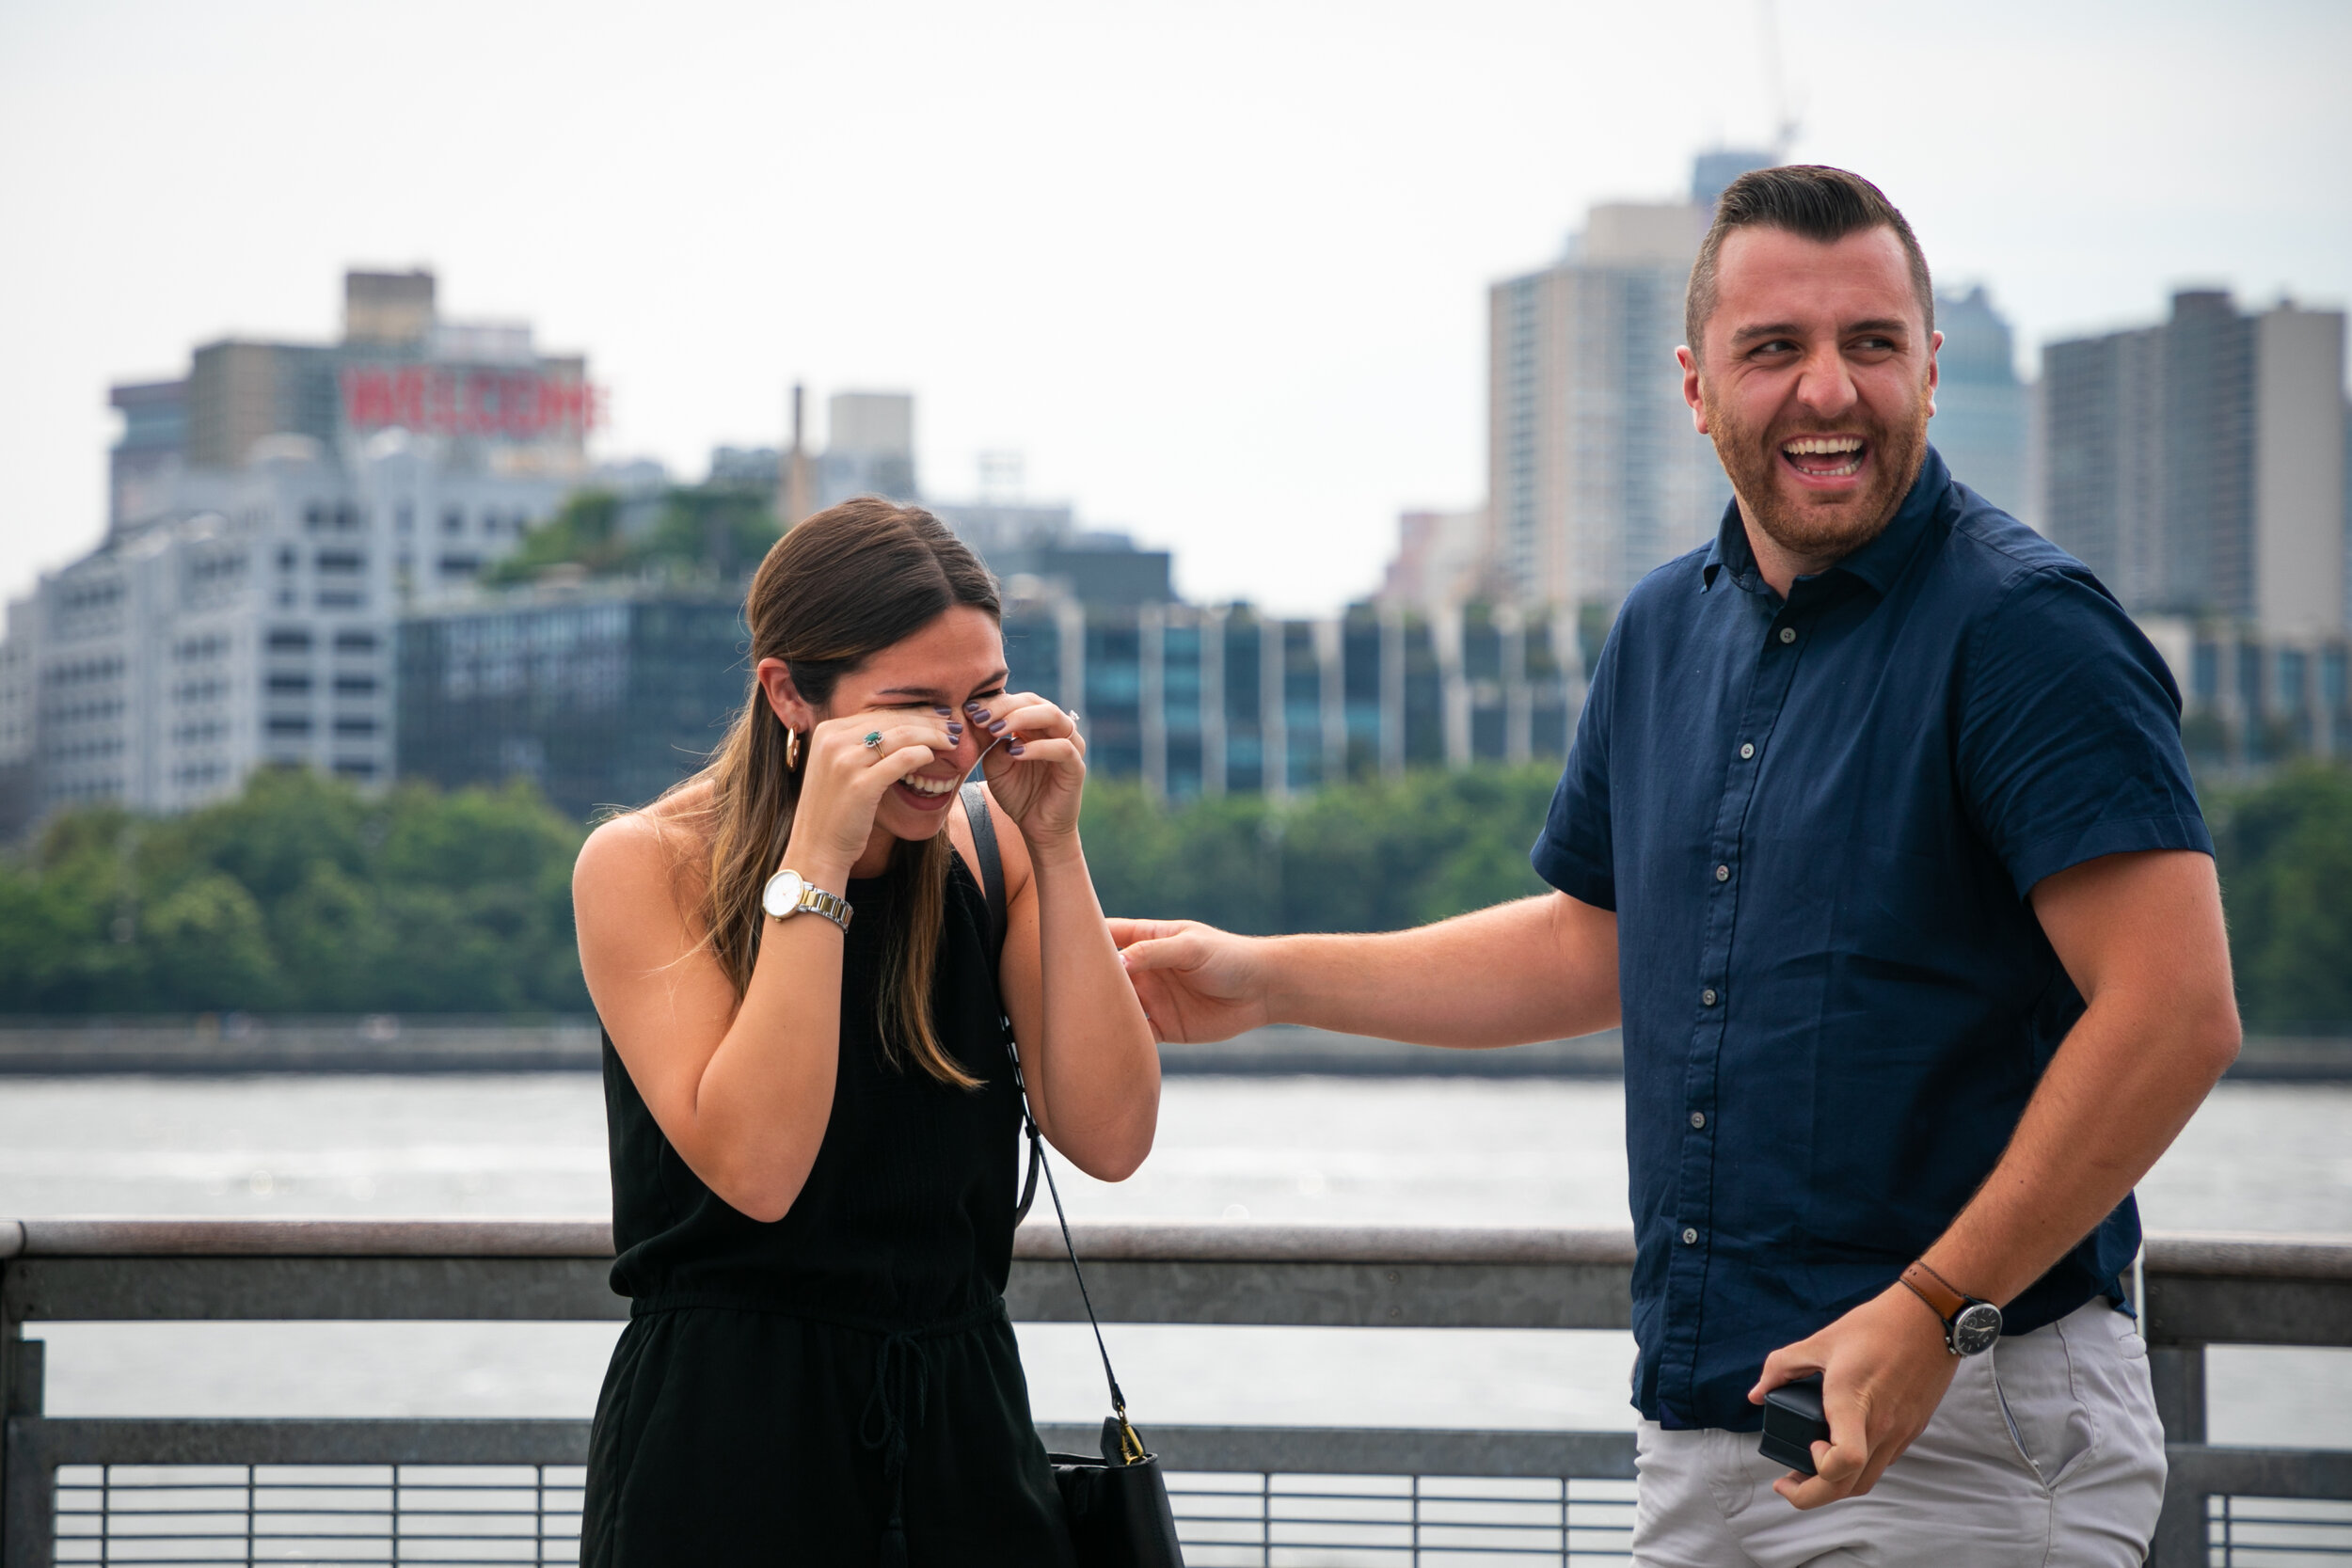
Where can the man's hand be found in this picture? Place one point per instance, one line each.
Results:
(1196, 982)
(1884, 1370)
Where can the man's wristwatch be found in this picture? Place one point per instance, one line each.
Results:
(788, 893)
(1971, 1325)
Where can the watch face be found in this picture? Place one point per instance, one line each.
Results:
(1976, 1329)
(783, 895)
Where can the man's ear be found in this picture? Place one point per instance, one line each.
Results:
(784, 698)
(1935, 343)
(1689, 360)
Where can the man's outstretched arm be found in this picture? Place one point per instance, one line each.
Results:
(1540, 969)
(2141, 935)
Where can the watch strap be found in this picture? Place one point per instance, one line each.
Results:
(1944, 1302)
(815, 900)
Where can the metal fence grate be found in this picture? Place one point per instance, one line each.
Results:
(454, 1516)
(451, 1516)
(2261, 1532)
(1230, 1520)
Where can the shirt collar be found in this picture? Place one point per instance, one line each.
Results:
(1877, 563)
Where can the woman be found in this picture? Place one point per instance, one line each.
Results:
(812, 1116)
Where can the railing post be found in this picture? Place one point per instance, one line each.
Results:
(15, 1368)
(2178, 1372)
(28, 1499)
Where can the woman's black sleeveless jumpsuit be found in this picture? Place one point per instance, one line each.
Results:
(842, 1386)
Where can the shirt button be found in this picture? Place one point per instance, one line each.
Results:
(1747, 751)
(1690, 1236)
(1707, 997)
(1788, 634)
(1699, 1118)
(1723, 873)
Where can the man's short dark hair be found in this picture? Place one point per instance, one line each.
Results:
(1809, 199)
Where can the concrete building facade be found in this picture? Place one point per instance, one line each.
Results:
(271, 514)
(1595, 475)
(2199, 465)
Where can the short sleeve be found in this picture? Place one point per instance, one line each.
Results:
(2069, 734)
(1574, 852)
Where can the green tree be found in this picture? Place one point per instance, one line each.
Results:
(2285, 848)
(300, 894)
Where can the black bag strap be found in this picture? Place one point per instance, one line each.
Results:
(992, 886)
(991, 864)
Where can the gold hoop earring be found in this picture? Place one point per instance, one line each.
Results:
(791, 749)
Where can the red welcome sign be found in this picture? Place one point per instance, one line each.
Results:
(435, 401)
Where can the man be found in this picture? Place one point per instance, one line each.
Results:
(1878, 836)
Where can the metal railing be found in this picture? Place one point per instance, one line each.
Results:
(447, 1491)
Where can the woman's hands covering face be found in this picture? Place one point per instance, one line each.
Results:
(843, 780)
(1036, 767)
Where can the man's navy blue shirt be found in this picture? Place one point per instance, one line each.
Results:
(1818, 821)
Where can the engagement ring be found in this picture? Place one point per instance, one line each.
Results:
(873, 740)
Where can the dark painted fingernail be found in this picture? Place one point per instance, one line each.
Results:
(955, 734)
(943, 712)
(1015, 748)
(997, 728)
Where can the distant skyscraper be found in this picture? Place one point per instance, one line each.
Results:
(870, 449)
(1594, 474)
(2198, 466)
(1980, 405)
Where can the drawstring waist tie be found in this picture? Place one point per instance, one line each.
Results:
(903, 1370)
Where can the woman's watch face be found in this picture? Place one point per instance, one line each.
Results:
(781, 897)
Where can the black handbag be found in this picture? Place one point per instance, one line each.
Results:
(1117, 1505)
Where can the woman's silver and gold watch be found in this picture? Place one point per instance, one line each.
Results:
(788, 893)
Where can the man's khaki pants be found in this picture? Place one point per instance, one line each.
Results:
(2045, 1451)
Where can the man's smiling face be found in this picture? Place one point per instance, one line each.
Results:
(1816, 383)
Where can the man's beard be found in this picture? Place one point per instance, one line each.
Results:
(1826, 531)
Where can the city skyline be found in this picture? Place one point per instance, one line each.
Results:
(1243, 321)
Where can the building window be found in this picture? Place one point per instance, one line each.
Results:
(355, 685)
(340, 561)
(452, 521)
(346, 518)
(460, 565)
(355, 642)
(286, 558)
(355, 725)
(314, 517)
(285, 684)
(354, 768)
(290, 640)
(344, 599)
(289, 723)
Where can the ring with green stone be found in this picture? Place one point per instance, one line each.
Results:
(873, 740)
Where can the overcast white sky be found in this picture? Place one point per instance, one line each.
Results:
(1217, 269)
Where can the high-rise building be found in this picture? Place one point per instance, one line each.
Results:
(601, 694)
(1595, 475)
(870, 449)
(1981, 405)
(1442, 559)
(2198, 466)
(270, 516)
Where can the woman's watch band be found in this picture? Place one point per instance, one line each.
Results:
(1971, 1325)
(788, 893)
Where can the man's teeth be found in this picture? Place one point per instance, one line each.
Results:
(1848, 447)
(929, 787)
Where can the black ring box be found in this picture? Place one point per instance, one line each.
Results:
(1793, 1423)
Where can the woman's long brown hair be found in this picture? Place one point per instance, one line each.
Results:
(833, 591)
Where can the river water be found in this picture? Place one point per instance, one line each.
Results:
(2261, 1158)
